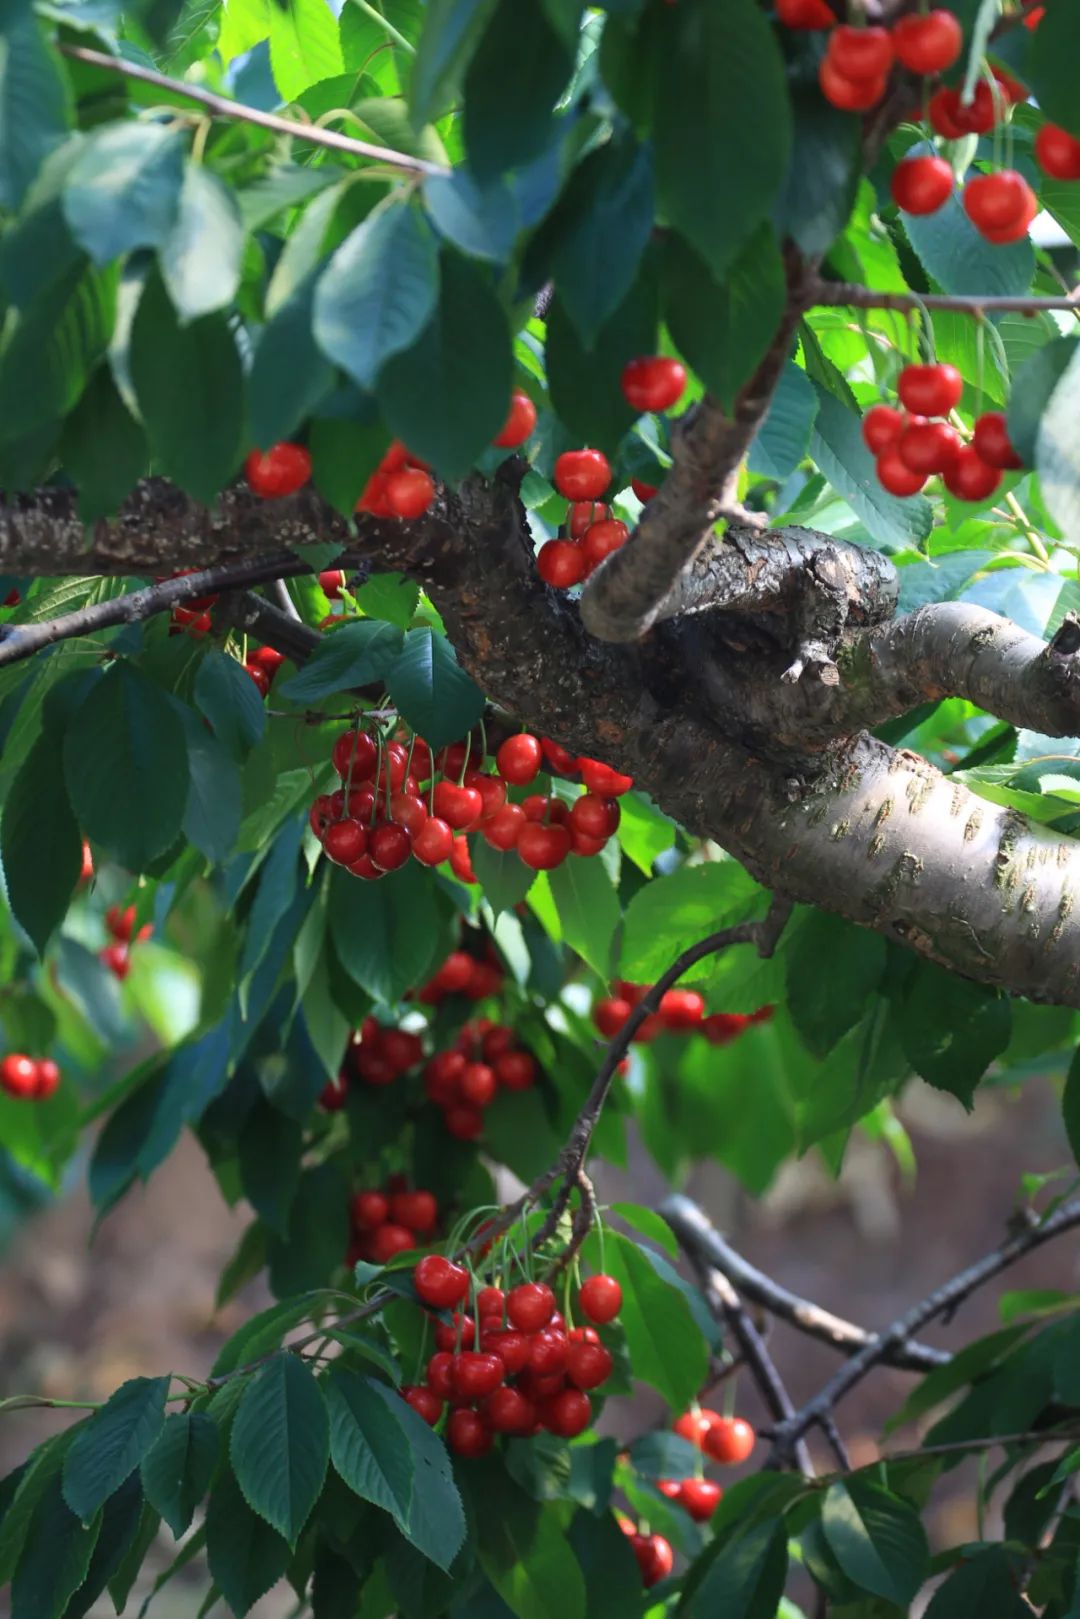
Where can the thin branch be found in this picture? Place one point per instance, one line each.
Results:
(818, 293)
(944, 1301)
(702, 1242)
(279, 593)
(222, 107)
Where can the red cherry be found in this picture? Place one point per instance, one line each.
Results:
(567, 1413)
(681, 1009)
(460, 807)
(561, 564)
(995, 202)
(409, 492)
(944, 114)
(548, 1352)
(970, 478)
(601, 539)
(860, 53)
(366, 869)
(1013, 91)
(345, 842)
(610, 1015)
(475, 1375)
(439, 1374)
(530, 1306)
(588, 1365)
(511, 1347)
(330, 583)
(600, 1298)
(259, 676)
(582, 474)
(117, 959)
(417, 1210)
(849, 95)
(478, 1084)
(458, 1333)
(653, 383)
(509, 1411)
(390, 846)
(519, 423)
(893, 475)
(992, 443)
(389, 1241)
(504, 827)
(583, 514)
(600, 778)
(519, 758)
(595, 816)
(655, 1558)
(1019, 228)
(729, 1440)
(930, 390)
(929, 43)
(281, 470)
(434, 842)
(542, 848)
(268, 658)
(700, 1497)
(409, 811)
(694, 1425)
(464, 1123)
(18, 1075)
(928, 446)
(516, 1071)
(439, 1282)
(805, 14)
(468, 1434)
(120, 922)
(643, 491)
(334, 1094)
(490, 1301)
(551, 811)
(354, 756)
(1058, 152)
(48, 1078)
(922, 185)
(670, 1488)
(369, 1210)
(424, 1401)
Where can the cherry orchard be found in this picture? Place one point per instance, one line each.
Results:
(507, 669)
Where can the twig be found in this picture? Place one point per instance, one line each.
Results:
(698, 1236)
(944, 1301)
(279, 592)
(222, 107)
(821, 294)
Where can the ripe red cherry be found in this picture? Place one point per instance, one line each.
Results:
(516, 1070)
(582, 474)
(583, 514)
(457, 1333)
(511, 1347)
(330, 583)
(694, 1425)
(409, 492)
(929, 43)
(849, 95)
(537, 807)
(995, 202)
(922, 185)
(860, 53)
(460, 807)
(468, 1434)
(944, 113)
(389, 1241)
(18, 1075)
(588, 1365)
(893, 475)
(928, 446)
(434, 842)
(881, 427)
(417, 1210)
(1019, 228)
(389, 846)
(508, 1411)
(48, 1078)
(653, 382)
(345, 841)
(970, 477)
(439, 1374)
(464, 1123)
(602, 779)
(567, 1413)
(334, 1094)
(600, 1298)
(601, 539)
(424, 1401)
(930, 390)
(595, 816)
(259, 677)
(268, 658)
(478, 1084)
(542, 848)
(439, 1282)
(519, 422)
(548, 1352)
(609, 1015)
(1058, 152)
(729, 1440)
(280, 470)
(643, 491)
(561, 564)
(530, 1306)
(475, 1375)
(120, 922)
(992, 443)
(655, 1558)
(504, 828)
(409, 811)
(519, 758)
(805, 14)
(354, 756)
(369, 1210)
(681, 1009)
(700, 1497)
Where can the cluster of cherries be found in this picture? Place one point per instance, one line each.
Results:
(854, 71)
(28, 1079)
(513, 1366)
(910, 445)
(681, 1011)
(466, 1078)
(474, 977)
(120, 926)
(374, 1056)
(393, 1221)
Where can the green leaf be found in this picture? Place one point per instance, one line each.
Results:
(190, 387)
(177, 1470)
(33, 103)
(609, 197)
(1054, 46)
(270, 1148)
(125, 762)
(379, 291)
(55, 1558)
(119, 1526)
(720, 93)
(228, 697)
(671, 913)
(504, 878)
(1057, 456)
(113, 1443)
(385, 933)
(952, 1029)
(743, 1577)
(1070, 1106)
(354, 655)
(431, 690)
(262, 1332)
(318, 1233)
(387, 1454)
(40, 842)
(783, 438)
(246, 1556)
(665, 1347)
(1030, 393)
(982, 1585)
(446, 396)
(304, 46)
(525, 1554)
(449, 36)
(877, 1539)
(344, 454)
(518, 71)
(483, 220)
(585, 384)
(389, 596)
(723, 326)
(202, 254)
(823, 175)
(48, 353)
(290, 375)
(588, 908)
(103, 448)
(214, 801)
(123, 190)
(962, 261)
(838, 448)
(280, 1444)
(825, 1004)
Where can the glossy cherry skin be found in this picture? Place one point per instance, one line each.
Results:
(922, 185)
(929, 43)
(281, 470)
(561, 564)
(600, 1298)
(1058, 152)
(970, 478)
(992, 443)
(930, 390)
(582, 474)
(729, 1440)
(519, 758)
(530, 1306)
(520, 421)
(439, 1282)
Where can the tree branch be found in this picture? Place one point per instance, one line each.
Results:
(822, 294)
(705, 1246)
(944, 1301)
(238, 112)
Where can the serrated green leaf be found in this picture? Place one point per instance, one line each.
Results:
(962, 261)
(518, 71)
(671, 913)
(290, 375)
(450, 34)
(123, 190)
(280, 1444)
(665, 1347)
(783, 438)
(526, 1556)
(304, 45)
(1054, 46)
(33, 103)
(609, 195)
(103, 448)
(228, 697)
(743, 1574)
(47, 354)
(1056, 455)
(825, 1005)
(983, 1585)
(212, 811)
(202, 254)
(504, 878)
(431, 690)
(952, 1029)
(55, 1559)
(245, 1555)
(724, 325)
(584, 379)
(113, 1443)
(385, 933)
(177, 1470)
(838, 448)
(877, 1539)
(588, 908)
(354, 655)
(40, 842)
(389, 596)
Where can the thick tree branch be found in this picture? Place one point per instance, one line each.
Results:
(944, 1301)
(704, 1245)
